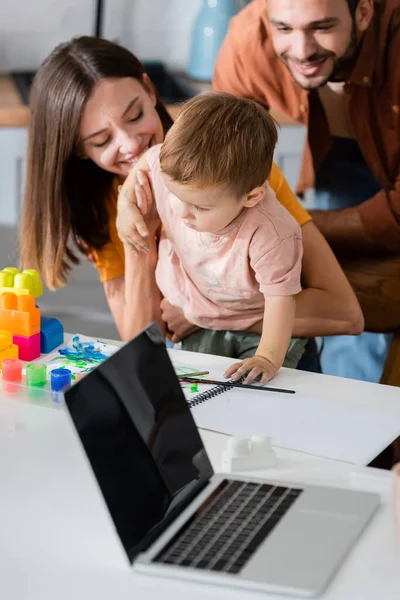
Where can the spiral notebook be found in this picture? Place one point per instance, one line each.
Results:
(207, 394)
(333, 429)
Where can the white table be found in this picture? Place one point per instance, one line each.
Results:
(57, 539)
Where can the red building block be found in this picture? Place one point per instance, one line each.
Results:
(28, 347)
(19, 315)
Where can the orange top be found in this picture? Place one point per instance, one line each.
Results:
(248, 66)
(110, 260)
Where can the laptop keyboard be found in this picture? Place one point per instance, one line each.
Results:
(227, 529)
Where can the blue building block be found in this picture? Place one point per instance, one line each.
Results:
(51, 334)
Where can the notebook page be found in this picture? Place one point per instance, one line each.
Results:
(331, 429)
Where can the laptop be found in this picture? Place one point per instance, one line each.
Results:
(174, 516)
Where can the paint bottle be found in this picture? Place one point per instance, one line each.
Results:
(36, 375)
(60, 380)
(12, 374)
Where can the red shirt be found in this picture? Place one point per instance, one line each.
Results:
(248, 66)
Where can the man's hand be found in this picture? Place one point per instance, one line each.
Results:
(345, 231)
(255, 367)
(176, 322)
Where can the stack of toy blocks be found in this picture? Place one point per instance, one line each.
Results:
(51, 332)
(21, 318)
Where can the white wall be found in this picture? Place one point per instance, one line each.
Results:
(153, 29)
(30, 29)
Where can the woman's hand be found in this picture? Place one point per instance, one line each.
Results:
(136, 201)
(176, 322)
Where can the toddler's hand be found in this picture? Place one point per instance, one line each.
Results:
(255, 367)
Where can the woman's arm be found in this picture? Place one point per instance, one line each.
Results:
(327, 305)
(135, 204)
(134, 299)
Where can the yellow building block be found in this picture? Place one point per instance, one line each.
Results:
(7, 348)
(20, 283)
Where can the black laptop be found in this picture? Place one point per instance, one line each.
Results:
(174, 516)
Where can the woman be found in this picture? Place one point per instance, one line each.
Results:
(94, 111)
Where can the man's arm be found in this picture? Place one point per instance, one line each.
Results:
(242, 41)
(373, 227)
(228, 70)
(344, 230)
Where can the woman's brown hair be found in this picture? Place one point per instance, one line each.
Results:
(65, 196)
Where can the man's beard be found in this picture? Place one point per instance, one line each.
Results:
(341, 67)
(344, 65)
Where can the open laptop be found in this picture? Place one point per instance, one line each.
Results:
(175, 517)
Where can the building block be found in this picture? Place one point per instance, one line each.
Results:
(51, 334)
(242, 454)
(20, 283)
(28, 346)
(19, 314)
(7, 348)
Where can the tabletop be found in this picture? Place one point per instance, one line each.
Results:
(57, 538)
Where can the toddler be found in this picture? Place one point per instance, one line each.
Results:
(229, 252)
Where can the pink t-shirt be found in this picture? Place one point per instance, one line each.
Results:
(220, 280)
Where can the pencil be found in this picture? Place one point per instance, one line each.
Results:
(193, 374)
(260, 388)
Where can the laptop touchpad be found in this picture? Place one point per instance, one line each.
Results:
(309, 544)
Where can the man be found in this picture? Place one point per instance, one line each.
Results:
(333, 65)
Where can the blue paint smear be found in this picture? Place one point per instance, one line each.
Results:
(83, 351)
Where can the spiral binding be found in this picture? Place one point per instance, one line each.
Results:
(215, 391)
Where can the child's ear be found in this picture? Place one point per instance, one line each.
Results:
(254, 196)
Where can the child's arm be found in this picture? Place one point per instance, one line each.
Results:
(135, 200)
(277, 330)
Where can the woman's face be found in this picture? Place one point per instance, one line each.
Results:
(119, 123)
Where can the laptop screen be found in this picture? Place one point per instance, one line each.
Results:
(140, 438)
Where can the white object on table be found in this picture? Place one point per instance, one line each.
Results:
(244, 454)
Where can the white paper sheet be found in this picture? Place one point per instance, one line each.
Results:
(326, 428)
